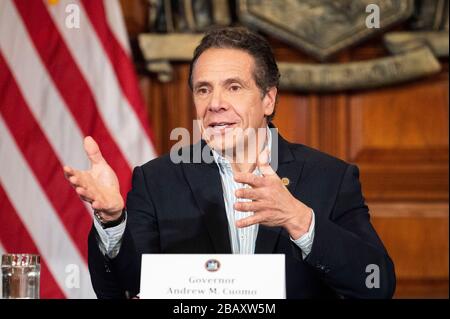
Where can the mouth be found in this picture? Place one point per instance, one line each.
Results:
(220, 127)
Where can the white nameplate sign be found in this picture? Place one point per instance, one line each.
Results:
(188, 276)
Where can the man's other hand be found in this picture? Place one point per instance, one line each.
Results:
(99, 185)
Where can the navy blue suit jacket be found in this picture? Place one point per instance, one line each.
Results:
(179, 208)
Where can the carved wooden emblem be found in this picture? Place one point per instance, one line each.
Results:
(321, 27)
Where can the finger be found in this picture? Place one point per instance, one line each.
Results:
(73, 176)
(248, 193)
(84, 194)
(263, 163)
(248, 178)
(86, 199)
(68, 171)
(73, 181)
(248, 221)
(247, 206)
(92, 150)
(77, 180)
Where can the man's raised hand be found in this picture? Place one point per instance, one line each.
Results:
(99, 185)
(271, 202)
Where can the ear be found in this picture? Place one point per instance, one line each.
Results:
(269, 100)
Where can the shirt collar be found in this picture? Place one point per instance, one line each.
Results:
(223, 163)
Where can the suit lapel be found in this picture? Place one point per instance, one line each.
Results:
(287, 167)
(206, 186)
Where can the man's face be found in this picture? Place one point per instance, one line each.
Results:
(226, 97)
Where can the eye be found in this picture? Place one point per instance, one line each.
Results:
(202, 91)
(235, 87)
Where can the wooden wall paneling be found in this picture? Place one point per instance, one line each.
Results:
(399, 137)
(169, 105)
(416, 236)
(151, 92)
(333, 126)
(135, 14)
(304, 110)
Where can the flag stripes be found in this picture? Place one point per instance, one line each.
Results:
(57, 85)
(118, 58)
(17, 239)
(37, 213)
(42, 160)
(71, 84)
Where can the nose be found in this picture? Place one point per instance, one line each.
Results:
(217, 103)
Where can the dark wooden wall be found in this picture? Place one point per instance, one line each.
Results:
(398, 136)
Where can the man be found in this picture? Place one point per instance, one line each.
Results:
(311, 208)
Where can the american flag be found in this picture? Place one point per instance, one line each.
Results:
(65, 73)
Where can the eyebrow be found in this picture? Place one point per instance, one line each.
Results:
(235, 79)
(224, 82)
(201, 83)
